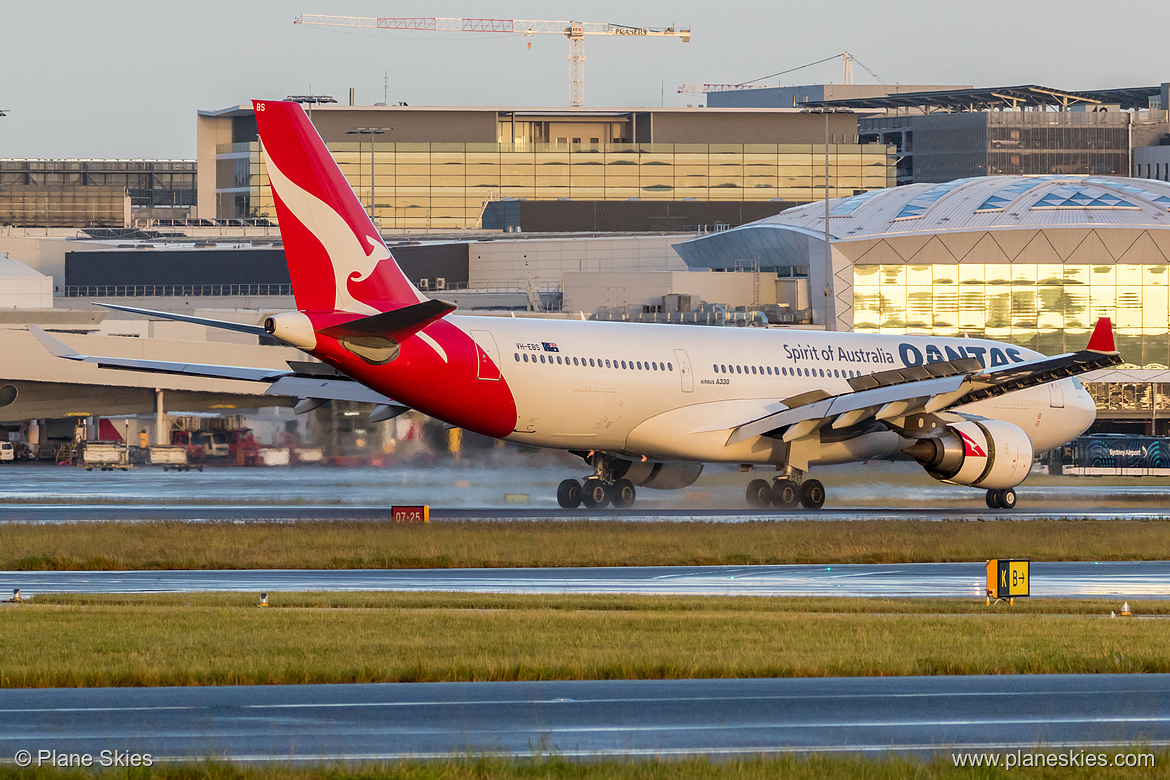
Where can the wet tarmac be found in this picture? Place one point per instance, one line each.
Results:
(1106, 579)
(526, 491)
(583, 719)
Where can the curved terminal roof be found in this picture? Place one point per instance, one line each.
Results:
(977, 203)
(988, 202)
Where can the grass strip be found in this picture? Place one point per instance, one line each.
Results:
(815, 767)
(217, 639)
(365, 545)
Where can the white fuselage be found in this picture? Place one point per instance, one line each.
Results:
(674, 392)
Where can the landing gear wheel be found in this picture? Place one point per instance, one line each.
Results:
(785, 494)
(812, 494)
(594, 495)
(622, 494)
(759, 494)
(1001, 499)
(569, 494)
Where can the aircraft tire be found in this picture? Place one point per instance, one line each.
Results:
(759, 494)
(569, 494)
(785, 494)
(1007, 499)
(622, 494)
(812, 494)
(595, 494)
(993, 499)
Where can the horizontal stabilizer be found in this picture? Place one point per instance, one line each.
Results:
(396, 324)
(255, 330)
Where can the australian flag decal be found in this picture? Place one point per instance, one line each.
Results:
(549, 346)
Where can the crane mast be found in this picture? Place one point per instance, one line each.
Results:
(574, 31)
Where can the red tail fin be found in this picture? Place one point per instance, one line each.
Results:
(335, 256)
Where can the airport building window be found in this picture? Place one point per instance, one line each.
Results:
(444, 185)
(1048, 307)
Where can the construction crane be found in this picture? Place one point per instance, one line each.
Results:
(574, 31)
(846, 76)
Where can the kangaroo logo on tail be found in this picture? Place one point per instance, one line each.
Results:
(349, 258)
(326, 231)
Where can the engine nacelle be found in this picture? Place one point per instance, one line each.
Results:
(661, 476)
(292, 327)
(987, 453)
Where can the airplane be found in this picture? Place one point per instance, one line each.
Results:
(643, 405)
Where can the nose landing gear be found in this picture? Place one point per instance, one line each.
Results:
(786, 492)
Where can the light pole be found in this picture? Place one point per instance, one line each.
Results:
(370, 131)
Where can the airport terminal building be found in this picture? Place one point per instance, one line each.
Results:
(1030, 260)
(455, 168)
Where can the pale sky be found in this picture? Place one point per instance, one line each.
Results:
(125, 79)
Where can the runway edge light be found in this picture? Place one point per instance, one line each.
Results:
(263, 600)
(16, 599)
(1007, 579)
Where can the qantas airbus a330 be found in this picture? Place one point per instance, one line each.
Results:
(643, 405)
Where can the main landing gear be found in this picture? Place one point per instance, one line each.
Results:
(599, 490)
(786, 492)
(596, 493)
(1001, 499)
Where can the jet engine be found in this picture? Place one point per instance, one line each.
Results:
(986, 453)
(292, 327)
(660, 476)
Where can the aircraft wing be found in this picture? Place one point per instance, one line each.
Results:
(934, 387)
(300, 380)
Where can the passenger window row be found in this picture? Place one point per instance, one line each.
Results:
(829, 373)
(629, 365)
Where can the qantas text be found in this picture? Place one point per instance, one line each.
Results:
(910, 354)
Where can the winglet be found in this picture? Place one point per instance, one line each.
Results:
(55, 346)
(1102, 338)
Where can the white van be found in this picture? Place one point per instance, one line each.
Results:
(7, 452)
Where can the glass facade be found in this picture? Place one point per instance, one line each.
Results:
(942, 146)
(1032, 142)
(445, 186)
(149, 183)
(92, 193)
(1050, 308)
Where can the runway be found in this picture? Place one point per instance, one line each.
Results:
(1113, 579)
(874, 715)
(67, 513)
(520, 490)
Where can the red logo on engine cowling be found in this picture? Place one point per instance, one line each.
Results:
(970, 448)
